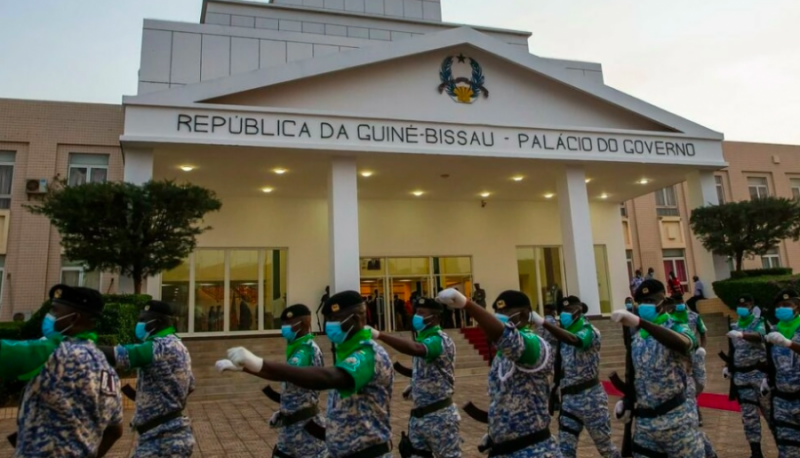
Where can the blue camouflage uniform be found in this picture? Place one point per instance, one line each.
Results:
(519, 389)
(589, 407)
(72, 397)
(164, 381)
(433, 381)
(752, 357)
(661, 377)
(786, 398)
(293, 439)
(360, 419)
(545, 334)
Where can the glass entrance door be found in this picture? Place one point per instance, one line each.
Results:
(373, 290)
(404, 291)
(541, 275)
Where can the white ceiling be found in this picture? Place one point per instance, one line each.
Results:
(243, 172)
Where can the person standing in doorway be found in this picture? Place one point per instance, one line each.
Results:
(699, 294)
(636, 281)
(399, 313)
(675, 287)
(651, 274)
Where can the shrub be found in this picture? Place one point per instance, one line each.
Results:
(774, 272)
(763, 289)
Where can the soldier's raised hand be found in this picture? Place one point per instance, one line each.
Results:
(226, 365)
(242, 357)
(776, 338)
(625, 318)
(536, 318)
(621, 413)
(764, 387)
(407, 393)
(701, 352)
(374, 333)
(452, 298)
(726, 374)
(735, 335)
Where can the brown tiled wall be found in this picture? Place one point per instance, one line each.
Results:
(43, 134)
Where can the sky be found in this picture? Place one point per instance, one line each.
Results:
(730, 65)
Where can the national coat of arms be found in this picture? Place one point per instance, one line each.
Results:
(462, 89)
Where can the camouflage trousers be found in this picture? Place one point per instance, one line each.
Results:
(544, 449)
(787, 413)
(174, 438)
(587, 409)
(295, 441)
(691, 400)
(437, 432)
(674, 434)
(751, 402)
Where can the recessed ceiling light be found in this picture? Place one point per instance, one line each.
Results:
(418, 193)
(588, 180)
(366, 174)
(604, 196)
(549, 195)
(266, 190)
(518, 178)
(280, 171)
(643, 181)
(486, 194)
(187, 168)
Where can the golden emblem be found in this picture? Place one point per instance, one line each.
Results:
(289, 315)
(565, 303)
(146, 308)
(785, 296)
(501, 304)
(335, 308)
(57, 293)
(741, 301)
(645, 290)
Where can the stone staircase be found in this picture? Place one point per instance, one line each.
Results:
(212, 386)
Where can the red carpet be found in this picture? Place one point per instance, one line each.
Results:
(705, 400)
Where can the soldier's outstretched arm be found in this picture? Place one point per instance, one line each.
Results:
(404, 346)
(558, 332)
(675, 341)
(312, 378)
(110, 436)
(21, 357)
(491, 326)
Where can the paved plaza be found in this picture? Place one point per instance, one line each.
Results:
(238, 428)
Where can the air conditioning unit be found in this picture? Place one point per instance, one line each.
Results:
(36, 186)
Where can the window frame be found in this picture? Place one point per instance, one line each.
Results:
(771, 260)
(758, 187)
(719, 183)
(794, 185)
(89, 168)
(8, 196)
(664, 194)
(673, 260)
(81, 275)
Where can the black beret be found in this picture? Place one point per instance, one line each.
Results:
(159, 307)
(648, 288)
(510, 300)
(342, 301)
(570, 300)
(84, 299)
(744, 299)
(427, 303)
(295, 311)
(785, 295)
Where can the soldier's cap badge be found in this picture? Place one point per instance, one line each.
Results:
(57, 294)
(501, 304)
(785, 296)
(146, 308)
(335, 308)
(741, 300)
(565, 303)
(645, 290)
(289, 315)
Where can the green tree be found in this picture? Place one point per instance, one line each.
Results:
(137, 231)
(746, 228)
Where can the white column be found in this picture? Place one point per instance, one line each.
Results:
(703, 192)
(343, 225)
(138, 170)
(576, 237)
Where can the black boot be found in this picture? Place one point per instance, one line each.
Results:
(755, 450)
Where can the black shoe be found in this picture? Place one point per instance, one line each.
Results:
(755, 450)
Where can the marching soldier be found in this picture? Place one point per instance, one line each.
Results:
(584, 401)
(163, 383)
(297, 405)
(434, 423)
(72, 406)
(665, 423)
(749, 364)
(784, 353)
(518, 380)
(358, 421)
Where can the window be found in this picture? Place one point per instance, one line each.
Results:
(757, 187)
(2, 276)
(666, 197)
(629, 256)
(6, 178)
(720, 189)
(795, 183)
(675, 261)
(74, 274)
(623, 210)
(772, 259)
(87, 168)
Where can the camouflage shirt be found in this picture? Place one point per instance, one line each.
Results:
(545, 334)
(360, 418)
(581, 364)
(164, 377)
(519, 384)
(749, 353)
(787, 367)
(303, 352)
(692, 319)
(433, 378)
(71, 400)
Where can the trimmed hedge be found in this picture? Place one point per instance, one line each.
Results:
(749, 273)
(763, 289)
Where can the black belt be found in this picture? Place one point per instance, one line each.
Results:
(566, 428)
(420, 412)
(789, 396)
(751, 368)
(580, 387)
(646, 452)
(374, 451)
(277, 453)
(786, 442)
(661, 409)
(158, 421)
(300, 415)
(515, 445)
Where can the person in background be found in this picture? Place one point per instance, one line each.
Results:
(651, 274)
(399, 313)
(636, 281)
(699, 294)
(675, 287)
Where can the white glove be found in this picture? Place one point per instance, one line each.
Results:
(620, 413)
(274, 419)
(764, 387)
(226, 365)
(452, 298)
(776, 338)
(701, 352)
(726, 374)
(242, 357)
(735, 335)
(625, 318)
(374, 332)
(407, 393)
(536, 318)
(484, 443)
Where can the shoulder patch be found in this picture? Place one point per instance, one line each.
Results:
(108, 386)
(294, 360)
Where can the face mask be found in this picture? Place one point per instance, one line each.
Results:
(784, 313)
(680, 308)
(418, 322)
(288, 332)
(743, 312)
(49, 326)
(505, 318)
(647, 312)
(141, 330)
(566, 320)
(629, 306)
(333, 330)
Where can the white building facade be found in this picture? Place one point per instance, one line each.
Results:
(367, 145)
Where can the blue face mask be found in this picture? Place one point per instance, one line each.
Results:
(418, 322)
(566, 320)
(49, 326)
(288, 332)
(505, 318)
(680, 308)
(629, 306)
(784, 313)
(743, 312)
(647, 312)
(333, 329)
